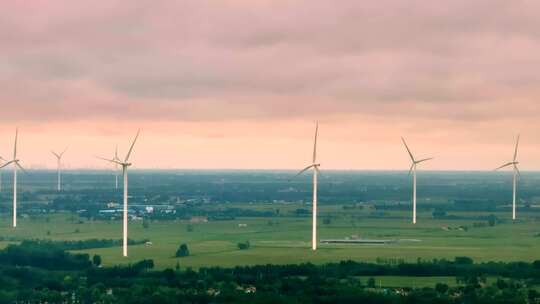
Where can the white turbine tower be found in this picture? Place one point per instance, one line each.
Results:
(316, 171)
(514, 164)
(16, 166)
(413, 170)
(59, 167)
(125, 164)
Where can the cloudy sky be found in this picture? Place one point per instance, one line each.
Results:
(239, 84)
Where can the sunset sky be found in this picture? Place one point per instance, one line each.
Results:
(239, 84)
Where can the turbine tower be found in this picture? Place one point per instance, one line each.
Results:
(414, 163)
(16, 166)
(316, 171)
(514, 164)
(59, 167)
(125, 164)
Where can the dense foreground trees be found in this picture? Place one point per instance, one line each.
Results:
(39, 273)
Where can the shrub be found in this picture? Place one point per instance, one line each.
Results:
(96, 260)
(244, 246)
(183, 251)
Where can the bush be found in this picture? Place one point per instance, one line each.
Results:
(96, 260)
(463, 261)
(441, 288)
(244, 246)
(183, 251)
(437, 214)
(492, 220)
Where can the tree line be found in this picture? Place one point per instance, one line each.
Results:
(39, 272)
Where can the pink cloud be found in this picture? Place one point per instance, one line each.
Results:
(220, 75)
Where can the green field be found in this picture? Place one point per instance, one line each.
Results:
(287, 239)
(416, 282)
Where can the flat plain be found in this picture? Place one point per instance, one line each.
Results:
(285, 240)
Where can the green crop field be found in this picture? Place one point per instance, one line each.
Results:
(284, 240)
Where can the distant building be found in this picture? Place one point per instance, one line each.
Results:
(198, 219)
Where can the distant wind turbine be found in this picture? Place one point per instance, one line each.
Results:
(514, 164)
(125, 164)
(16, 166)
(59, 167)
(316, 171)
(414, 163)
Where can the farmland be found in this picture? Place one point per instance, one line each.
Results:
(284, 240)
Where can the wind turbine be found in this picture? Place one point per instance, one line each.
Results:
(413, 170)
(59, 167)
(514, 164)
(16, 166)
(125, 164)
(316, 171)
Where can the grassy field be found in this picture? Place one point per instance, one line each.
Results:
(416, 282)
(286, 240)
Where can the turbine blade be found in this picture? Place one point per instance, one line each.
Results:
(408, 150)
(6, 164)
(109, 160)
(15, 145)
(503, 166)
(423, 160)
(55, 154)
(303, 170)
(20, 167)
(315, 142)
(516, 150)
(317, 169)
(410, 170)
(62, 154)
(132, 145)
(116, 153)
(517, 170)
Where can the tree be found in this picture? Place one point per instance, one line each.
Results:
(244, 246)
(441, 288)
(438, 213)
(183, 251)
(492, 220)
(371, 283)
(96, 260)
(327, 221)
(144, 265)
(189, 228)
(463, 260)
